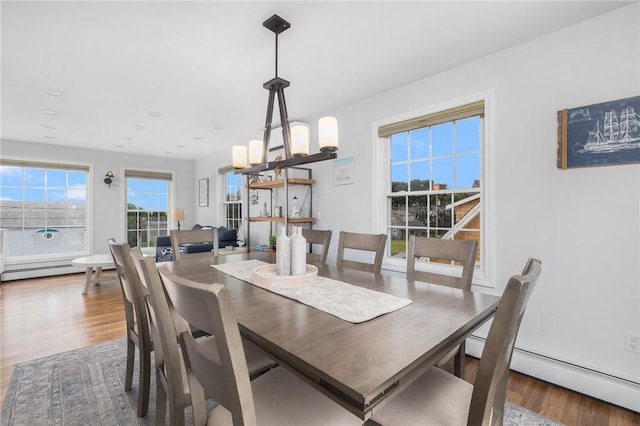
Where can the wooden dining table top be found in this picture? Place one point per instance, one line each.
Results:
(360, 366)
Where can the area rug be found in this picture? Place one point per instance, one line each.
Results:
(86, 387)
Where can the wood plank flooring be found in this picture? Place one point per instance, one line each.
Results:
(44, 316)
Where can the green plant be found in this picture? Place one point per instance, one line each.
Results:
(272, 240)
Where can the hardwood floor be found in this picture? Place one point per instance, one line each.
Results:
(44, 316)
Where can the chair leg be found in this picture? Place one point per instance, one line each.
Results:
(144, 382)
(458, 361)
(197, 400)
(131, 357)
(161, 400)
(176, 410)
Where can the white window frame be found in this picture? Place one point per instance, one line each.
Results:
(484, 274)
(125, 198)
(89, 222)
(222, 200)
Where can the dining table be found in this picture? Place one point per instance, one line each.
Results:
(363, 365)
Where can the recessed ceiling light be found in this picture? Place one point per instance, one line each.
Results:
(198, 138)
(218, 127)
(49, 126)
(167, 152)
(119, 146)
(153, 114)
(49, 112)
(180, 146)
(128, 138)
(54, 93)
(138, 127)
(49, 137)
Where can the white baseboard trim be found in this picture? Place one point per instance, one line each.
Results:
(617, 391)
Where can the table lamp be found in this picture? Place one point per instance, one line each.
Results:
(177, 214)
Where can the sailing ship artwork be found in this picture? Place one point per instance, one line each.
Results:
(599, 134)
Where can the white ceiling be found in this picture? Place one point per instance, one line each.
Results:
(201, 65)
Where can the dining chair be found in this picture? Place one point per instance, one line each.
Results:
(277, 397)
(172, 382)
(137, 324)
(193, 236)
(437, 249)
(364, 242)
(439, 398)
(318, 237)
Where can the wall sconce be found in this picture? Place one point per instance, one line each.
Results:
(177, 214)
(108, 178)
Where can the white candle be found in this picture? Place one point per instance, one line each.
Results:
(299, 140)
(255, 151)
(239, 156)
(328, 133)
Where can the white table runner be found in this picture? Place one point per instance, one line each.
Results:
(345, 301)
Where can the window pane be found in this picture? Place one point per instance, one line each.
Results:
(163, 202)
(399, 177)
(419, 175)
(468, 171)
(419, 143)
(54, 195)
(418, 211)
(443, 172)
(56, 179)
(143, 200)
(439, 214)
(10, 176)
(398, 246)
(442, 135)
(468, 134)
(398, 210)
(153, 186)
(12, 194)
(34, 178)
(34, 195)
(399, 151)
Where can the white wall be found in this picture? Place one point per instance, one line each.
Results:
(582, 223)
(108, 203)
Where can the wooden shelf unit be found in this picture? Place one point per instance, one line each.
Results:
(283, 183)
(281, 219)
(279, 183)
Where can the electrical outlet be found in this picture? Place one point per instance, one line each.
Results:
(632, 342)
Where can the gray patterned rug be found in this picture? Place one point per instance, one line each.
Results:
(86, 387)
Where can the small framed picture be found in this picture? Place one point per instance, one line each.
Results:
(203, 192)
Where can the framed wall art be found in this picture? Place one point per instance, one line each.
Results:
(203, 192)
(600, 134)
(344, 171)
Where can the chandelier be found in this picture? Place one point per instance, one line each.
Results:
(254, 158)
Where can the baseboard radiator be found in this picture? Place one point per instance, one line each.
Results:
(19, 272)
(615, 390)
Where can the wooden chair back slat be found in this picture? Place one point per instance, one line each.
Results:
(193, 237)
(436, 249)
(366, 242)
(318, 237)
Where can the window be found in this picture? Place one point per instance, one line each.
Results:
(435, 185)
(43, 208)
(147, 207)
(232, 203)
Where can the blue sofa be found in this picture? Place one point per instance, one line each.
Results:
(226, 237)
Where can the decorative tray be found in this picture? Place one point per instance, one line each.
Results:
(266, 276)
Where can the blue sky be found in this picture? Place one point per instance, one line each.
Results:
(148, 194)
(42, 184)
(456, 164)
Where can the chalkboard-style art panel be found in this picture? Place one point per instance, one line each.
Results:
(600, 134)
